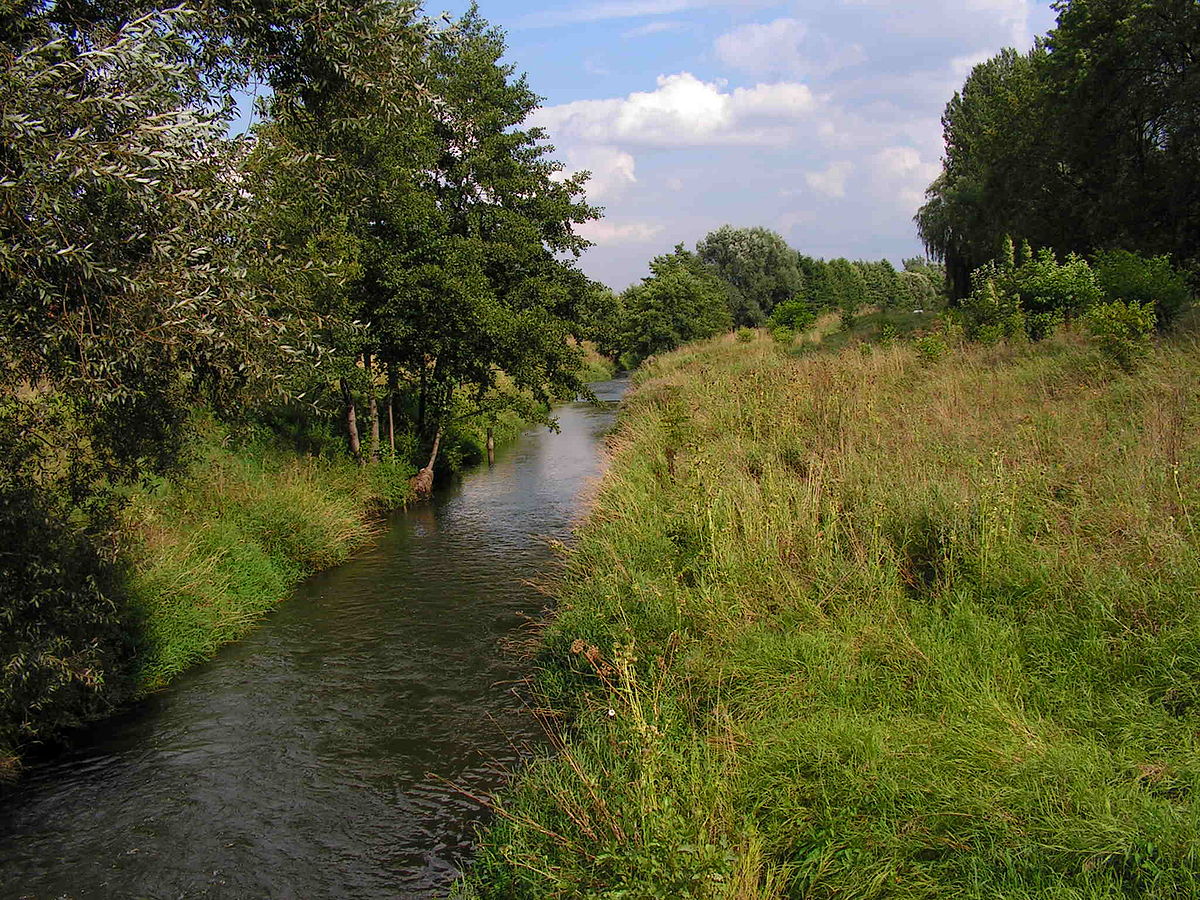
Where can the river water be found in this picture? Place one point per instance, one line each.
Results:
(311, 759)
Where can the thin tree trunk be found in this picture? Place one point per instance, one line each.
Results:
(491, 448)
(351, 423)
(421, 403)
(372, 407)
(422, 482)
(392, 424)
(391, 381)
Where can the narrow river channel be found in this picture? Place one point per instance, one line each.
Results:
(311, 760)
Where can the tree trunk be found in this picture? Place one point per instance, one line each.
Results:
(422, 482)
(421, 403)
(372, 406)
(391, 381)
(491, 448)
(351, 423)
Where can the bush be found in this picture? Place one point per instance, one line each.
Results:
(1030, 299)
(1122, 331)
(782, 334)
(745, 335)
(65, 648)
(1144, 280)
(794, 314)
(931, 347)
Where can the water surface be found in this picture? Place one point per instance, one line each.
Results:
(312, 759)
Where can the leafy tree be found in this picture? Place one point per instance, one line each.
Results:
(758, 263)
(1091, 141)
(1151, 282)
(682, 300)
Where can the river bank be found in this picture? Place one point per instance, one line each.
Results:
(203, 555)
(321, 755)
(877, 623)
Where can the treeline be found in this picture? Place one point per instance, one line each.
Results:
(389, 249)
(1089, 142)
(746, 277)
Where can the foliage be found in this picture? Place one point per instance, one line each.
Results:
(1146, 280)
(1028, 298)
(793, 313)
(1087, 142)
(681, 301)
(1122, 330)
(931, 347)
(883, 627)
(63, 631)
(758, 263)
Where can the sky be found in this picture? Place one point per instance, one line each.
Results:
(818, 119)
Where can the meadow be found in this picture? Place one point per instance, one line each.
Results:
(880, 622)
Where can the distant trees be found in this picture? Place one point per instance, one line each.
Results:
(1090, 141)
(744, 276)
(759, 266)
(682, 300)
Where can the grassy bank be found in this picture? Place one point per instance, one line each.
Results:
(869, 625)
(215, 550)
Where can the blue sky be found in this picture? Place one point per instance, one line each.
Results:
(819, 119)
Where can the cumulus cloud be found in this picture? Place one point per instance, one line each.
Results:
(830, 181)
(612, 169)
(684, 111)
(606, 233)
(785, 47)
(901, 174)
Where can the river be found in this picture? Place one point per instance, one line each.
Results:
(315, 758)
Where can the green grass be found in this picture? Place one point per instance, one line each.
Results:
(867, 624)
(216, 550)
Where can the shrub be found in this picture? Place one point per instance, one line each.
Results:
(931, 347)
(745, 335)
(794, 314)
(1122, 331)
(1145, 280)
(782, 334)
(1030, 299)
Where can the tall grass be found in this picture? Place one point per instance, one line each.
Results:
(217, 549)
(869, 625)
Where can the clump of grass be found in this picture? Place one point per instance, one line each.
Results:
(218, 549)
(878, 628)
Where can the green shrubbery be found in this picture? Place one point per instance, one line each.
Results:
(1122, 331)
(1029, 295)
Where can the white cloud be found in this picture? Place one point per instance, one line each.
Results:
(654, 28)
(627, 9)
(901, 174)
(684, 111)
(830, 181)
(967, 20)
(775, 49)
(606, 234)
(612, 169)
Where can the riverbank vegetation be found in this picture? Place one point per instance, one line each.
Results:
(877, 624)
(897, 599)
(386, 258)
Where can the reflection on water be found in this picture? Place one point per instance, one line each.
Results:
(311, 759)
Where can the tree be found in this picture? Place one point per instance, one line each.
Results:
(682, 300)
(758, 263)
(1091, 141)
